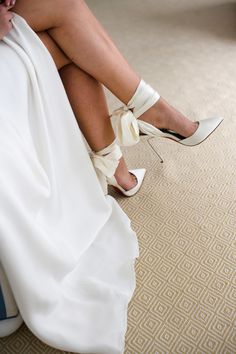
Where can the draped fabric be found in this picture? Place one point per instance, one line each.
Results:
(68, 251)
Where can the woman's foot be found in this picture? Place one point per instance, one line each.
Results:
(163, 116)
(124, 178)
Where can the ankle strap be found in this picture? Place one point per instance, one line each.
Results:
(105, 163)
(124, 121)
(125, 126)
(143, 99)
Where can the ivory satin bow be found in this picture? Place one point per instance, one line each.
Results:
(125, 126)
(105, 162)
(124, 120)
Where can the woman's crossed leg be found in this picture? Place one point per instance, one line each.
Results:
(81, 37)
(88, 102)
(86, 57)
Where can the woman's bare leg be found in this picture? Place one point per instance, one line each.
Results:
(78, 33)
(88, 102)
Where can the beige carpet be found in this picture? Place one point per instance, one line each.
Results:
(184, 215)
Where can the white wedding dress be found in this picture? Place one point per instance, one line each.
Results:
(67, 250)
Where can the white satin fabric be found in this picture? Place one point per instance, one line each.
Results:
(125, 126)
(67, 250)
(124, 119)
(106, 162)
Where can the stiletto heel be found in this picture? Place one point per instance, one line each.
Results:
(155, 152)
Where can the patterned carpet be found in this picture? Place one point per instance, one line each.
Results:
(184, 215)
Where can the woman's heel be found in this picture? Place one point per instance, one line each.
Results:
(106, 162)
(139, 175)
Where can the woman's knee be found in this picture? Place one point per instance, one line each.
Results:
(73, 5)
(71, 9)
(45, 14)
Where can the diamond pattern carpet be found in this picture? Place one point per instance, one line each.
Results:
(184, 214)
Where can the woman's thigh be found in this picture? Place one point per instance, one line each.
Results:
(57, 54)
(44, 14)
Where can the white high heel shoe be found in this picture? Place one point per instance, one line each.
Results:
(138, 173)
(205, 128)
(106, 162)
(127, 126)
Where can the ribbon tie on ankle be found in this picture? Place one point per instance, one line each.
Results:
(105, 162)
(125, 126)
(124, 119)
